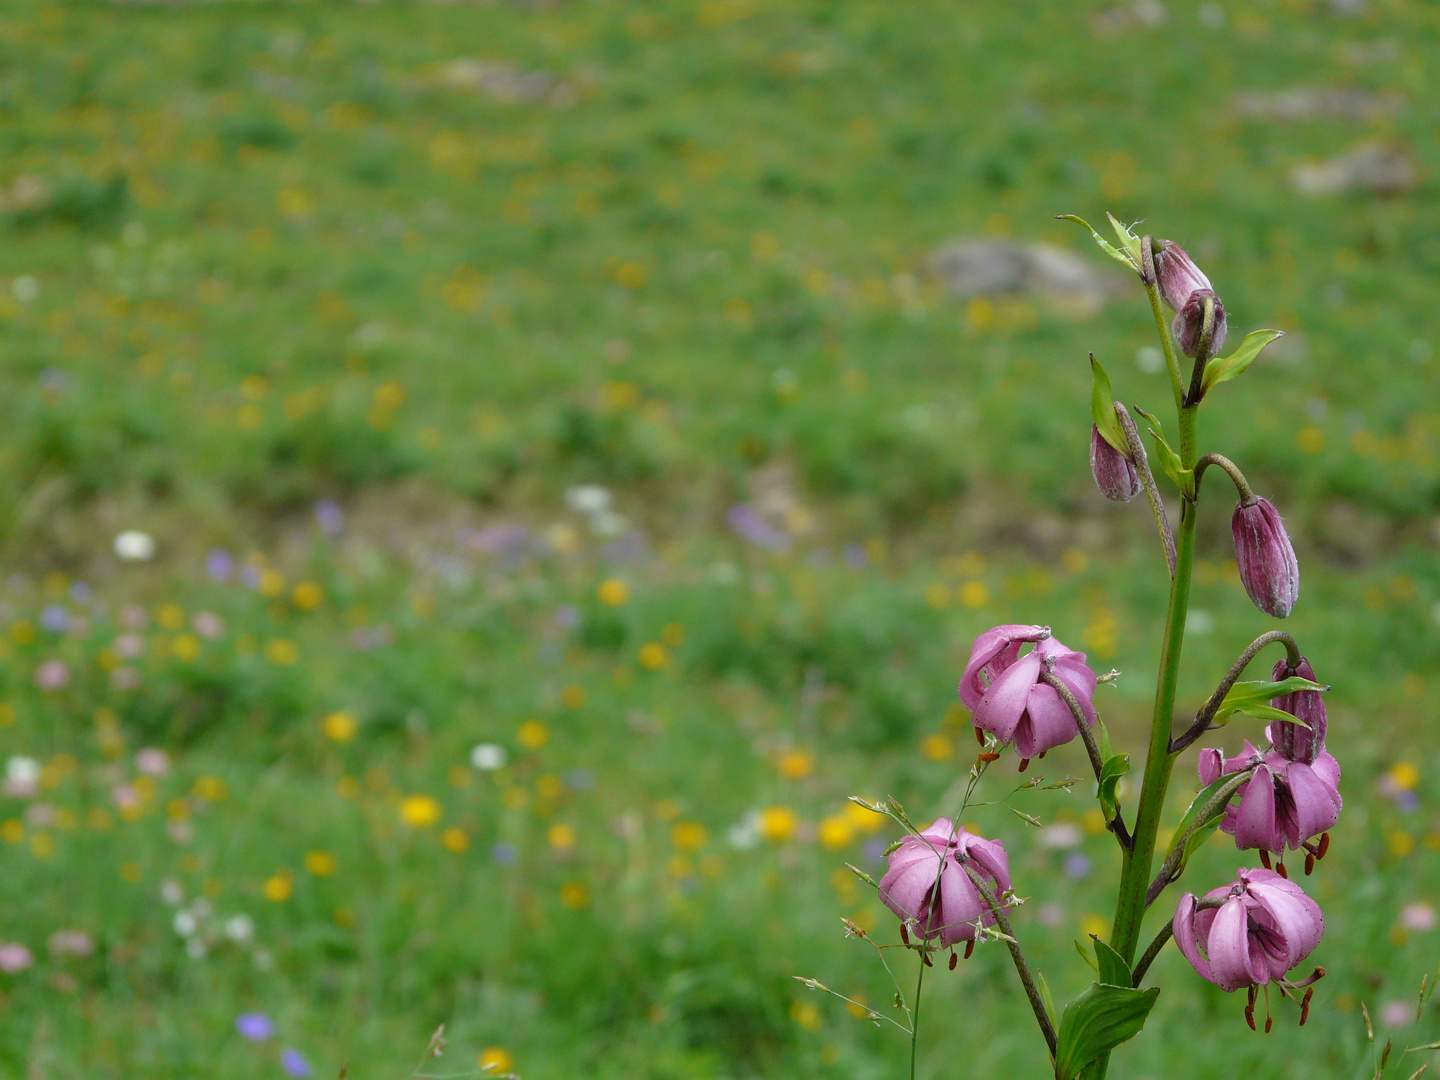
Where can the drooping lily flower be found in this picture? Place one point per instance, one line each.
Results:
(1284, 804)
(1007, 697)
(1261, 928)
(926, 884)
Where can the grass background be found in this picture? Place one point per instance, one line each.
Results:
(427, 268)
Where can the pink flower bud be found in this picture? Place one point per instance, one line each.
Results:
(1190, 321)
(1264, 928)
(1177, 275)
(1114, 474)
(1292, 741)
(1009, 700)
(1268, 569)
(926, 884)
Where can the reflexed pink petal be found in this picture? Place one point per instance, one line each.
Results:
(1254, 824)
(1228, 948)
(999, 711)
(1327, 769)
(960, 906)
(1298, 919)
(1184, 927)
(992, 858)
(1211, 762)
(1047, 723)
(942, 832)
(1317, 804)
(992, 653)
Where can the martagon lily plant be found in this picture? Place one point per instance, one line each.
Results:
(1028, 693)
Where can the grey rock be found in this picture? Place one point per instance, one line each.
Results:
(975, 267)
(1377, 168)
(1304, 103)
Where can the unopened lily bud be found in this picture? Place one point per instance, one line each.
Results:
(1268, 569)
(1177, 275)
(1291, 740)
(1189, 324)
(1114, 474)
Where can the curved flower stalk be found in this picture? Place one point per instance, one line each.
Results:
(927, 886)
(1009, 699)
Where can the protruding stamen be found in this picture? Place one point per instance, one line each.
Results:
(1305, 1005)
(954, 959)
(1269, 1023)
(1041, 756)
(1265, 859)
(904, 936)
(926, 957)
(980, 736)
(969, 948)
(988, 757)
(1024, 763)
(1280, 869)
(1309, 864)
(1324, 846)
(1250, 1008)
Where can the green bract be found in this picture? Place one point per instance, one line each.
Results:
(1225, 368)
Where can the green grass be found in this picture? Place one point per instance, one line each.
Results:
(291, 253)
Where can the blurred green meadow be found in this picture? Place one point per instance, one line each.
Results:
(557, 472)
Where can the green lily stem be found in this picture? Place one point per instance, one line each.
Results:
(1022, 967)
(1137, 862)
(915, 1016)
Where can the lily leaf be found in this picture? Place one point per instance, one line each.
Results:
(1098, 1020)
(1250, 698)
(1085, 955)
(1045, 997)
(1203, 830)
(1181, 477)
(1102, 408)
(1120, 256)
(1128, 240)
(1114, 971)
(1227, 367)
(1110, 773)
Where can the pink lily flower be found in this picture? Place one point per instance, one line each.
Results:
(1263, 926)
(1005, 693)
(926, 884)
